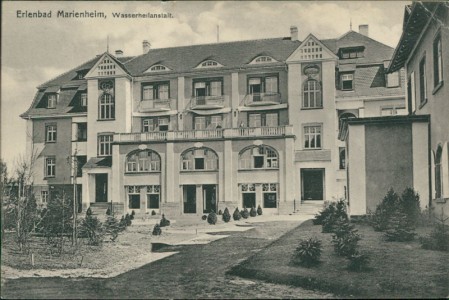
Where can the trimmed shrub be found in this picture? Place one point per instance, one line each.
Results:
(128, 221)
(132, 214)
(220, 212)
(212, 218)
(108, 211)
(153, 213)
(226, 215)
(89, 212)
(164, 222)
(308, 252)
(236, 215)
(259, 210)
(245, 213)
(204, 217)
(358, 262)
(157, 230)
(123, 222)
(399, 228)
(438, 239)
(253, 212)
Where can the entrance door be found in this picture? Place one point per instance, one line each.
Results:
(101, 188)
(209, 198)
(312, 184)
(190, 199)
(249, 200)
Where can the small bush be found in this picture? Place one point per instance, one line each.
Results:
(331, 215)
(308, 252)
(259, 210)
(157, 230)
(108, 211)
(236, 215)
(153, 213)
(132, 214)
(113, 227)
(253, 212)
(220, 212)
(410, 205)
(399, 228)
(89, 212)
(323, 214)
(245, 213)
(123, 223)
(212, 218)
(204, 217)
(346, 245)
(226, 215)
(358, 262)
(438, 239)
(164, 222)
(92, 228)
(128, 220)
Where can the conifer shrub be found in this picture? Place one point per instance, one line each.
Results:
(164, 222)
(123, 222)
(220, 212)
(204, 217)
(89, 212)
(157, 230)
(226, 215)
(399, 228)
(236, 215)
(345, 238)
(112, 227)
(253, 212)
(333, 213)
(245, 213)
(153, 213)
(259, 210)
(410, 205)
(358, 262)
(308, 252)
(212, 218)
(128, 220)
(91, 228)
(133, 213)
(108, 211)
(438, 239)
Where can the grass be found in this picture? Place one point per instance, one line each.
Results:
(397, 270)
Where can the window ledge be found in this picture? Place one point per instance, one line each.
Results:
(48, 177)
(197, 171)
(102, 120)
(311, 108)
(437, 87)
(144, 172)
(421, 105)
(441, 200)
(312, 149)
(50, 142)
(260, 169)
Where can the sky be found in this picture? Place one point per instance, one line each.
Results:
(35, 50)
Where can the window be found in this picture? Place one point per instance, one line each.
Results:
(81, 133)
(342, 153)
(393, 110)
(422, 81)
(312, 137)
(411, 92)
(312, 94)
(155, 124)
(263, 119)
(258, 157)
(107, 107)
(209, 64)
(262, 85)
(153, 196)
(437, 61)
(44, 196)
(158, 68)
(210, 87)
(269, 191)
(353, 52)
(50, 167)
(51, 100)
(83, 100)
(207, 122)
(50, 133)
(438, 173)
(199, 159)
(133, 196)
(105, 144)
(393, 79)
(156, 91)
(143, 161)
(346, 81)
(80, 162)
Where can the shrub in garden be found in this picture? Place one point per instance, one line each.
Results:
(438, 239)
(123, 222)
(226, 215)
(323, 214)
(112, 227)
(308, 252)
(128, 221)
(204, 217)
(89, 212)
(236, 215)
(133, 213)
(157, 230)
(333, 214)
(410, 205)
(220, 212)
(390, 204)
(358, 262)
(259, 210)
(346, 245)
(164, 222)
(399, 228)
(153, 213)
(212, 218)
(253, 212)
(91, 228)
(108, 211)
(245, 213)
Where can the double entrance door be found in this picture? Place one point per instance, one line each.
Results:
(199, 198)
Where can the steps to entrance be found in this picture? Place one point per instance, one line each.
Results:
(310, 208)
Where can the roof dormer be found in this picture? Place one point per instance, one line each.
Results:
(157, 68)
(311, 49)
(209, 63)
(107, 66)
(263, 59)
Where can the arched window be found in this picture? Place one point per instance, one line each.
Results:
(258, 157)
(312, 94)
(199, 159)
(438, 173)
(143, 161)
(344, 116)
(106, 110)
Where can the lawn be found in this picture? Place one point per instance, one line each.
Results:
(397, 270)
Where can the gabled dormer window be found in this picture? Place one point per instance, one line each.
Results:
(209, 64)
(83, 99)
(351, 52)
(51, 100)
(158, 68)
(263, 60)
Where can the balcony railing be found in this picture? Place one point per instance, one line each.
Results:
(204, 134)
(154, 105)
(207, 102)
(256, 99)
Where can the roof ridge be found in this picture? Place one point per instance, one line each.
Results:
(368, 37)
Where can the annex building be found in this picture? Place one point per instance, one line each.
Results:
(186, 130)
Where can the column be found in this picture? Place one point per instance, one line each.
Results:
(169, 174)
(228, 176)
(235, 98)
(181, 101)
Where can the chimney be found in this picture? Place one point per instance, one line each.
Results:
(146, 46)
(363, 29)
(293, 33)
(118, 53)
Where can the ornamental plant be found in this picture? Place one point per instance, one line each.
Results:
(236, 215)
(204, 217)
(157, 230)
(153, 213)
(164, 222)
(226, 215)
(245, 213)
(212, 218)
(358, 262)
(220, 212)
(253, 212)
(438, 239)
(308, 252)
(259, 210)
(133, 213)
(399, 228)
(108, 212)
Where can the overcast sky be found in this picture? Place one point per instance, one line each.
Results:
(37, 50)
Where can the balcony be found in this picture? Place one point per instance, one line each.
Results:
(260, 99)
(226, 133)
(207, 102)
(154, 105)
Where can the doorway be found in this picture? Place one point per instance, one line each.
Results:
(101, 188)
(190, 199)
(312, 184)
(249, 200)
(209, 198)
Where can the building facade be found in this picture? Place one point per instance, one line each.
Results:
(187, 130)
